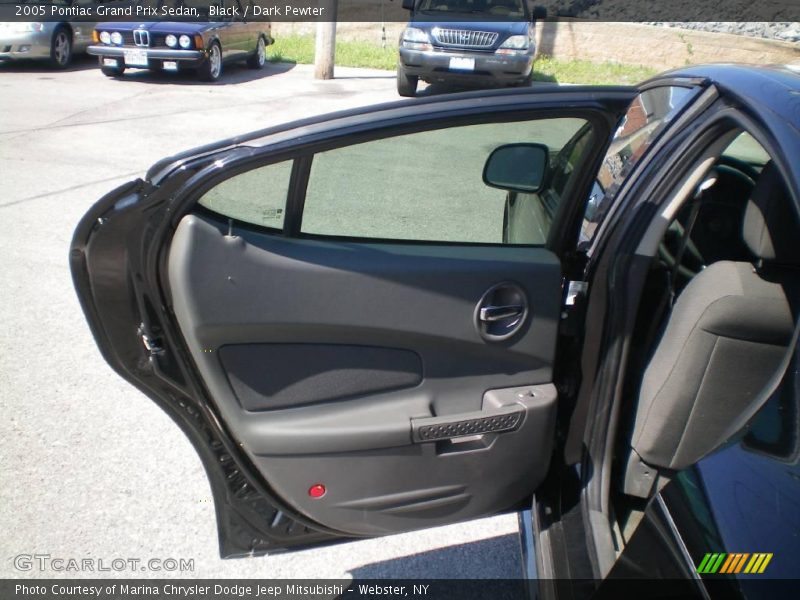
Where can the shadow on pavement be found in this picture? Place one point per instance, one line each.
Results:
(543, 78)
(80, 62)
(359, 77)
(492, 558)
(232, 74)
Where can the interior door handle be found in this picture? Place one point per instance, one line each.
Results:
(501, 312)
(490, 314)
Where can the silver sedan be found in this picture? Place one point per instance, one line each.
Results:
(55, 42)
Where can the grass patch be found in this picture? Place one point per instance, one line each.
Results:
(350, 53)
(588, 72)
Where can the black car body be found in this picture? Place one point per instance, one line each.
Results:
(343, 375)
(473, 42)
(170, 46)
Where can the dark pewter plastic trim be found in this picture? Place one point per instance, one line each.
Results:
(501, 420)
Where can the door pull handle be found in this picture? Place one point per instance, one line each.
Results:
(490, 314)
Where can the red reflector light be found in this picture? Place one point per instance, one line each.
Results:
(317, 490)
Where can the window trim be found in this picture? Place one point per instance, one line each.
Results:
(296, 195)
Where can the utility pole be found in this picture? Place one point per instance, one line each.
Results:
(325, 48)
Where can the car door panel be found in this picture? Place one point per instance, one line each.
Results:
(294, 361)
(312, 348)
(227, 38)
(237, 29)
(381, 491)
(280, 375)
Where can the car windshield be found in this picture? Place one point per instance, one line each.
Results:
(500, 8)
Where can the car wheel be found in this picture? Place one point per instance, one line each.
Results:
(528, 80)
(211, 69)
(61, 48)
(111, 71)
(406, 84)
(259, 58)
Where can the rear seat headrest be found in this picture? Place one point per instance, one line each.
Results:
(770, 227)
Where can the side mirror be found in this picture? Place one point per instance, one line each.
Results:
(408, 4)
(517, 168)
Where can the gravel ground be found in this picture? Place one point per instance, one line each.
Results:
(785, 32)
(744, 17)
(90, 467)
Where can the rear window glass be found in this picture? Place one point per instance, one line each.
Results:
(257, 197)
(501, 8)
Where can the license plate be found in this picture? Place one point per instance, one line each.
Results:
(136, 58)
(169, 65)
(462, 64)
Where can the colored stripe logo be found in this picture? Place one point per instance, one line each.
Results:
(737, 562)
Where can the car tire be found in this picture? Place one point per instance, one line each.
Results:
(528, 79)
(406, 84)
(211, 69)
(111, 71)
(259, 58)
(61, 48)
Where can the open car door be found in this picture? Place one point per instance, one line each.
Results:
(330, 312)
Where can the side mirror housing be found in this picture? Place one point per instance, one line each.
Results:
(517, 168)
(408, 4)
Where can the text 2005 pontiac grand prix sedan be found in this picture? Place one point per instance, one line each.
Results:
(576, 302)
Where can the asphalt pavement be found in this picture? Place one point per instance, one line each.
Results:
(89, 467)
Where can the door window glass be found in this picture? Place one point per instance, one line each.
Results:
(257, 197)
(428, 185)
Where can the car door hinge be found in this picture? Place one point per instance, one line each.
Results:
(574, 290)
(573, 308)
(152, 344)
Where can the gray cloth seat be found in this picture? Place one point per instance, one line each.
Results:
(725, 339)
